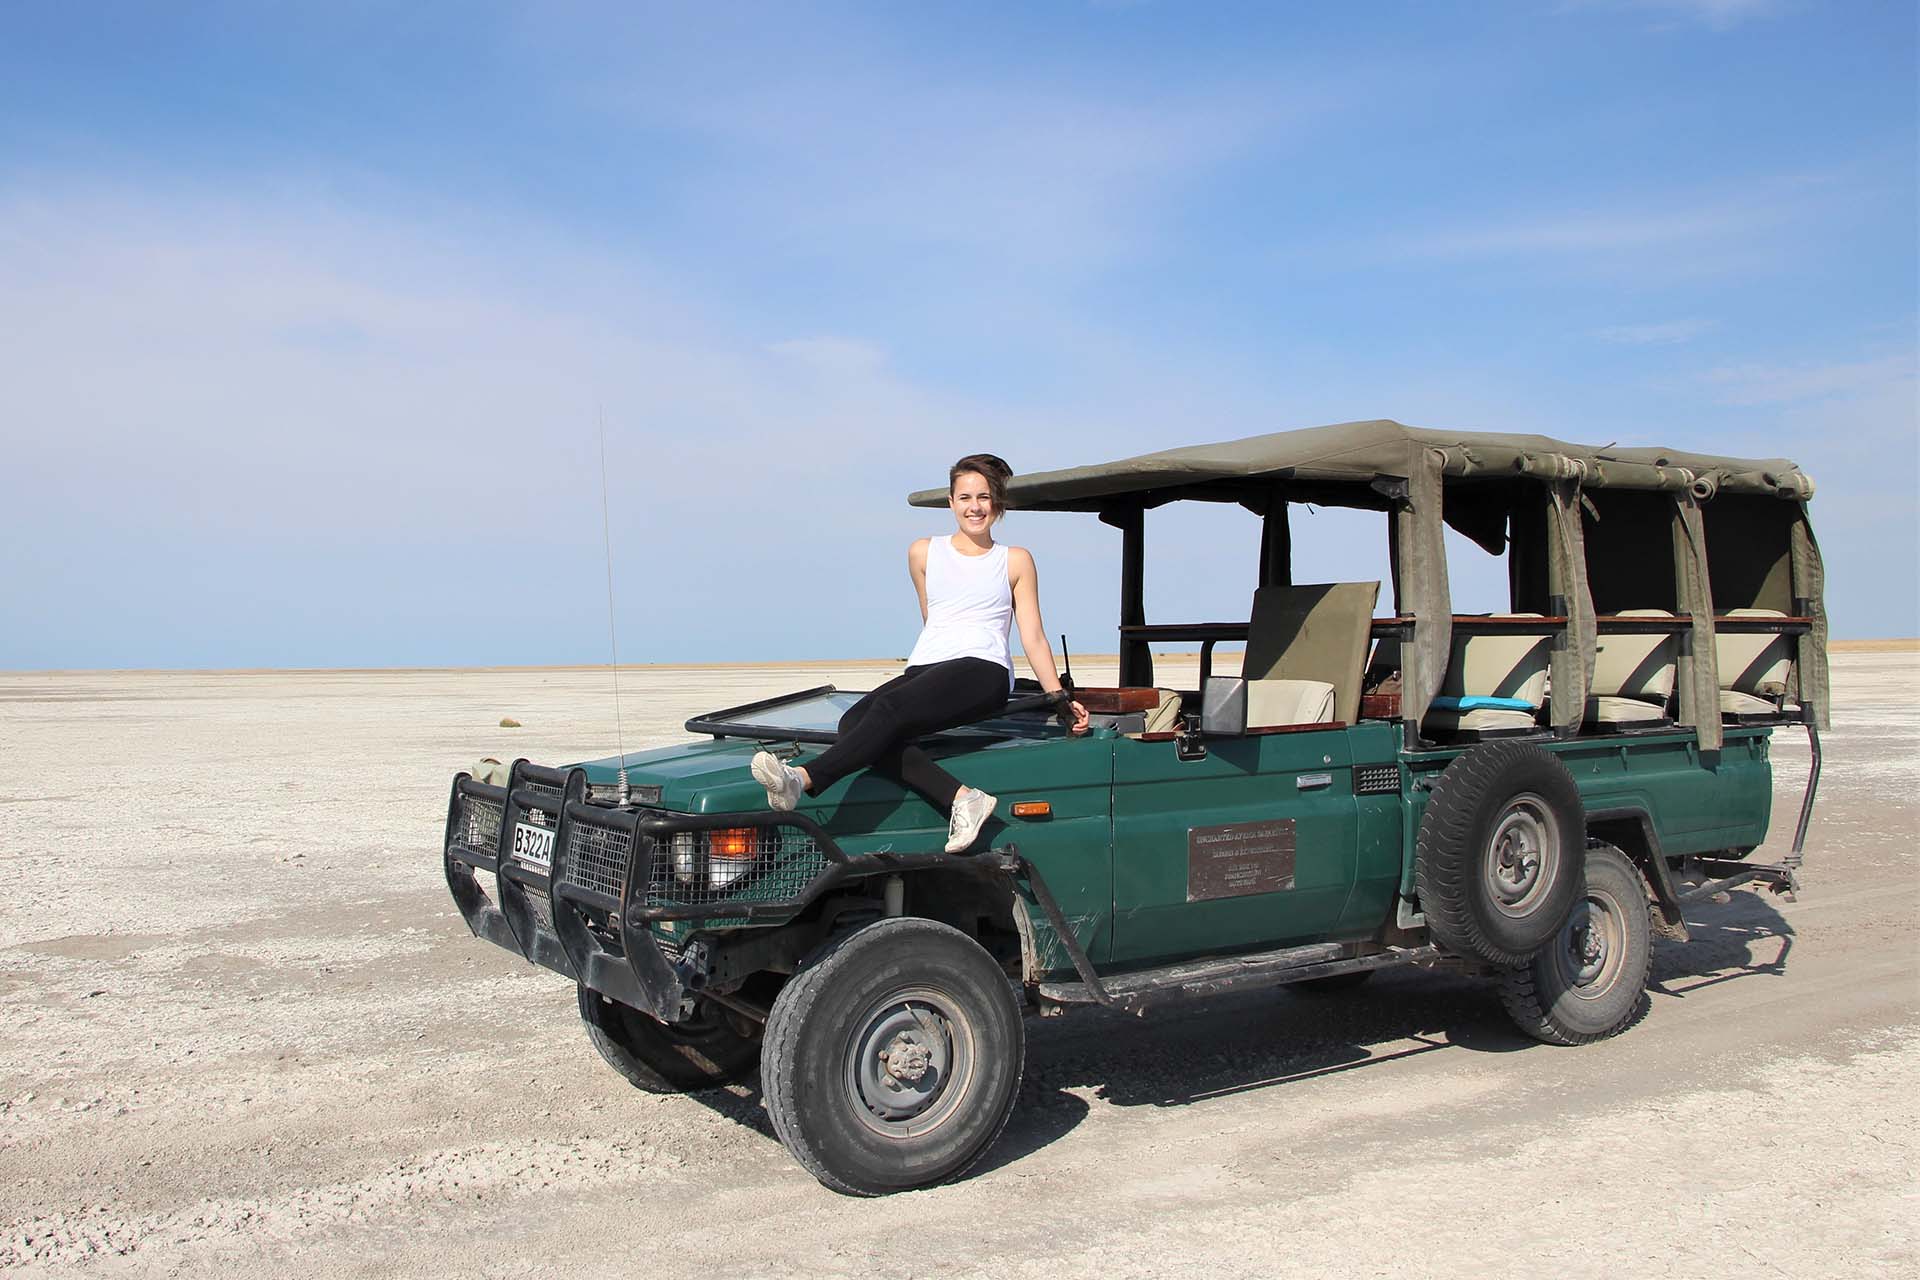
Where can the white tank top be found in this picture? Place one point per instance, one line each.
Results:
(969, 607)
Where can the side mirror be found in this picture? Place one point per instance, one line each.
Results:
(1223, 707)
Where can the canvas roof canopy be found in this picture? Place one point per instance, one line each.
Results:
(1349, 455)
(1526, 492)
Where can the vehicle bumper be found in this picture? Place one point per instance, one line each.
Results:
(617, 870)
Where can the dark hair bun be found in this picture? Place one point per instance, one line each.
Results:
(990, 465)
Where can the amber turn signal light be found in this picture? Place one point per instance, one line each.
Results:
(731, 842)
(1033, 809)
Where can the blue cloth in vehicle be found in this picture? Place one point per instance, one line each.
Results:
(1478, 702)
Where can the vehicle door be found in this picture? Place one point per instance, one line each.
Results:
(1252, 844)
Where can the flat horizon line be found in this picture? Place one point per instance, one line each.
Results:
(1868, 645)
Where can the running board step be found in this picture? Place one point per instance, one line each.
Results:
(1217, 975)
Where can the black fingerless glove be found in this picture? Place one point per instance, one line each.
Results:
(1062, 705)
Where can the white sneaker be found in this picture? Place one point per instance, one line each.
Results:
(971, 809)
(781, 780)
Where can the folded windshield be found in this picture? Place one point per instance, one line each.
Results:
(813, 715)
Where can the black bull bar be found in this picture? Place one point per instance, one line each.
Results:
(588, 915)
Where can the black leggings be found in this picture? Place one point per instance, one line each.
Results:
(877, 732)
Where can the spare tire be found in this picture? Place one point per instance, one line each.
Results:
(1498, 864)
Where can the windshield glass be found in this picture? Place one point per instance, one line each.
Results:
(814, 711)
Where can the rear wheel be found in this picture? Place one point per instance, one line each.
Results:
(703, 1052)
(1497, 864)
(1590, 981)
(893, 1057)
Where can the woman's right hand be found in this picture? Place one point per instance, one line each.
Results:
(1071, 713)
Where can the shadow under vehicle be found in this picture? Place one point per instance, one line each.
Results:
(1527, 795)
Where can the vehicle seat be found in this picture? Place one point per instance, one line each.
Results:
(1633, 676)
(1306, 646)
(1753, 669)
(1508, 670)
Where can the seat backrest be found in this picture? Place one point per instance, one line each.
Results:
(1753, 664)
(1316, 632)
(1164, 716)
(1642, 667)
(1488, 664)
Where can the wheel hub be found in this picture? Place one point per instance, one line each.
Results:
(1517, 869)
(906, 1064)
(905, 1060)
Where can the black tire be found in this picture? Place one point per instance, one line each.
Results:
(899, 986)
(701, 1053)
(1497, 864)
(1333, 985)
(1591, 981)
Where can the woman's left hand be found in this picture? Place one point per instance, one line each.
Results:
(1079, 725)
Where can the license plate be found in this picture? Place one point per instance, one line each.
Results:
(533, 846)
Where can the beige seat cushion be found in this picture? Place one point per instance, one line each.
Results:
(1735, 703)
(1315, 633)
(1479, 720)
(1608, 709)
(1271, 703)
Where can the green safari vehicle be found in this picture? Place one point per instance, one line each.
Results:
(1530, 794)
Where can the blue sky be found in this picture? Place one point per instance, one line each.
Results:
(306, 315)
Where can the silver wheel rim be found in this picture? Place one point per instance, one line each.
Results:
(1523, 857)
(1592, 947)
(910, 1062)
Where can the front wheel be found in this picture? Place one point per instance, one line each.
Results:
(701, 1053)
(1590, 982)
(892, 1059)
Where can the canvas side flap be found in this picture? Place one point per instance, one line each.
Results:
(1422, 583)
(1572, 661)
(1809, 589)
(1699, 678)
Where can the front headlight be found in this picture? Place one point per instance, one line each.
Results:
(730, 853)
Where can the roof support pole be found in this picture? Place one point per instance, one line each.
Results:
(1136, 659)
(1276, 544)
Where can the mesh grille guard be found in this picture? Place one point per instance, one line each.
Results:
(649, 864)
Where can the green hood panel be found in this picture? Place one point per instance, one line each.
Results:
(705, 775)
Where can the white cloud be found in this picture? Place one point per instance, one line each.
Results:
(1663, 333)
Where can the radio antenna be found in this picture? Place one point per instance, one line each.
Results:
(1066, 662)
(613, 643)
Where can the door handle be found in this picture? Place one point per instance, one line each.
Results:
(1313, 781)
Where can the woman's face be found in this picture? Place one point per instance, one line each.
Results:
(972, 503)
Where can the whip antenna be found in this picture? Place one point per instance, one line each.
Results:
(613, 643)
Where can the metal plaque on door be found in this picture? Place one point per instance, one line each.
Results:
(1239, 858)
